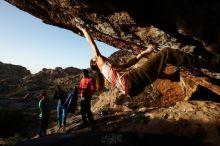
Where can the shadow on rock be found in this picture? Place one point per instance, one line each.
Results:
(111, 138)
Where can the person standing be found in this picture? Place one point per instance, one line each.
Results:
(61, 96)
(86, 89)
(44, 114)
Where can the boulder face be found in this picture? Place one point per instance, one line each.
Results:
(131, 25)
(161, 93)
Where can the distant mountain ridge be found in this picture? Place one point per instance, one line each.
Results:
(17, 81)
(12, 71)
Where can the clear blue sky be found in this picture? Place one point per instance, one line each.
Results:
(25, 40)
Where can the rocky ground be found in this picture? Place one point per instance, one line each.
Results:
(162, 114)
(185, 123)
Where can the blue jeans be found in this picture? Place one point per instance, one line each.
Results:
(61, 114)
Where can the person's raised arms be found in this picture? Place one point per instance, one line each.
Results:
(97, 57)
(91, 41)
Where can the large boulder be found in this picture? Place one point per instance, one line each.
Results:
(190, 26)
(130, 25)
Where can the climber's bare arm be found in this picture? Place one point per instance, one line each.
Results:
(95, 51)
(134, 60)
(99, 59)
(91, 41)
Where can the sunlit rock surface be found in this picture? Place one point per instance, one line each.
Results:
(130, 25)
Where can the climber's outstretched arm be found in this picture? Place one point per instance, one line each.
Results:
(97, 57)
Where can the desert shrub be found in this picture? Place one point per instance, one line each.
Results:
(12, 121)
